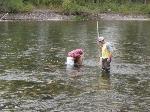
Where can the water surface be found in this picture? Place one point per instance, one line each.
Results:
(33, 75)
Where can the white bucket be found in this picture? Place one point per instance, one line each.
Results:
(70, 61)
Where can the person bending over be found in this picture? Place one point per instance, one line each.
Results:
(75, 57)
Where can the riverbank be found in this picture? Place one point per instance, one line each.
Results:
(45, 15)
(36, 15)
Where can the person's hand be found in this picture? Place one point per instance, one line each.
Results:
(109, 60)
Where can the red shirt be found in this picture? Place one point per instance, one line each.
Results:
(75, 53)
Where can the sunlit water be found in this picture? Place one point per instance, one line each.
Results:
(34, 77)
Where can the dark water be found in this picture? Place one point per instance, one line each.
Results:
(33, 75)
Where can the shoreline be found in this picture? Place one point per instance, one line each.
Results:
(124, 17)
(48, 15)
(35, 15)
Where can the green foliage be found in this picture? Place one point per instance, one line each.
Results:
(16, 5)
(27, 8)
(78, 6)
(135, 8)
(73, 8)
(79, 18)
(56, 2)
(145, 9)
(67, 5)
(45, 2)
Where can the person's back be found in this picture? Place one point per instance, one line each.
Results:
(106, 50)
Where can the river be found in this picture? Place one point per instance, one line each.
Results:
(34, 77)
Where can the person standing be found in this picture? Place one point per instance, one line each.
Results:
(106, 53)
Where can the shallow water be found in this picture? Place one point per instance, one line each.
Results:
(34, 77)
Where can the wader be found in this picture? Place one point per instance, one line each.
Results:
(105, 65)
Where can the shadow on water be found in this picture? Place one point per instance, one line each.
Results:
(104, 82)
(74, 71)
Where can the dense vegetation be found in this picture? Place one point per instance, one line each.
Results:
(77, 6)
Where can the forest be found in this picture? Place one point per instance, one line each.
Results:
(77, 6)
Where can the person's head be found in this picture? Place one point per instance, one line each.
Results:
(101, 39)
(80, 51)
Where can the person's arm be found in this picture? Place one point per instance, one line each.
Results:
(80, 59)
(98, 43)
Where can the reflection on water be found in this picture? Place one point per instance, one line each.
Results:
(34, 77)
(104, 81)
(72, 71)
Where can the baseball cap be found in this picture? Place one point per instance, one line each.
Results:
(100, 39)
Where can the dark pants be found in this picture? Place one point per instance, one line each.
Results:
(105, 65)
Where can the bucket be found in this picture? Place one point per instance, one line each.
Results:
(70, 61)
